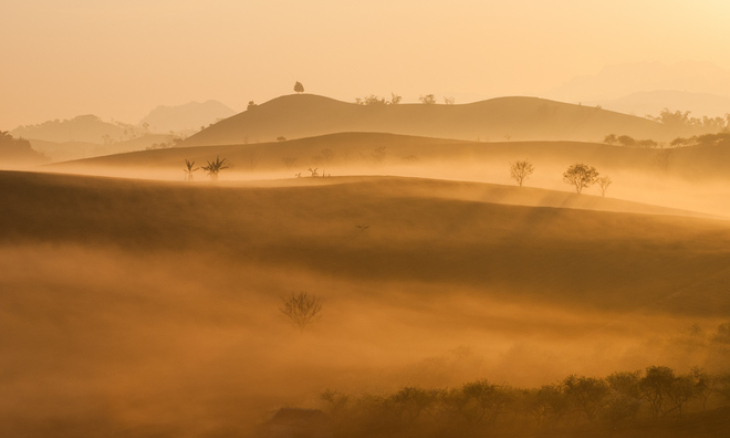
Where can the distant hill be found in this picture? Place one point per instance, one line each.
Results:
(186, 118)
(500, 119)
(86, 128)
(74, 150)
(615, 81)
(653, 102)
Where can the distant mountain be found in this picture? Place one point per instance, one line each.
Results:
(186, 118)
(653, 102)
(86, 128)
(506, 118)
(616, 81)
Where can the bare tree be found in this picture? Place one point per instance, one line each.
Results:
(213, 168)
(580, 176)
(603, 182)
(302, 309)
(189, 169)
(662, 159)
(520, 171)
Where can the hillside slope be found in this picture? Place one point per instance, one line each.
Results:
(517, 118)
(417, 232)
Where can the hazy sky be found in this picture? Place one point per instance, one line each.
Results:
(122, 58)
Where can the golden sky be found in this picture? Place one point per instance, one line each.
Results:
(122, 58)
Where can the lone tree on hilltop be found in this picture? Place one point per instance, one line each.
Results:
(298, 87)
(302, 309)
(520, 171)
(214, 167)
(580, 176)
(189, 169)
(603, 182)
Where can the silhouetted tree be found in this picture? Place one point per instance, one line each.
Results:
(428, 99)
(251, 105)
(213, 168)
(298, 87)
(520, 171)
(302, 309)
(655, 387)
(395, 99)
(610, 139)
(189, 169)
(625, 140)
(449, 100)
(588, 393)
(580, 176)
(603, 182)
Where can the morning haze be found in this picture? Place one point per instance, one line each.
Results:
(364, 219)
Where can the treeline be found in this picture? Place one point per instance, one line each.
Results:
(622, 400)
(679, 119)
(17, 149)
(695, 140)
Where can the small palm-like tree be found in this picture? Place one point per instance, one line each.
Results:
(214, 167)
(189, 169)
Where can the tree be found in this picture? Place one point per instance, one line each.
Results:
(603, 182)
(610, 139)
(302, 309)
(520, 171)
(580, 176)
(428, 99)
(213, 168)
(395, 99)
(298, 87)
(289, 161)
(588, 393)
(251, 105)
(189, 169)
(449, 100)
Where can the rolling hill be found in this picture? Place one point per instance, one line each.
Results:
(515, 118)
(368, 153)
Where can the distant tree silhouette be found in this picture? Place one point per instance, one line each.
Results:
(395, 99)
(213, 168)
(520, 171)
(189, 169)
(298, 87)
(580, 176)
(251, 105)
(428, 99)
(449, 100)
(302, 309)
(610, 139)
(603, 182)
(587, 393)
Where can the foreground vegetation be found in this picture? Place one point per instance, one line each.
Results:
(623, 401)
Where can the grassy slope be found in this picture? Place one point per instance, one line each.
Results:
(594, 259)
(521, 118)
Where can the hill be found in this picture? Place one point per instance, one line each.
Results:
(186, 118)
(164, 297)
(516, 118)
(278, 224)
(86, 128)
(368, 153)
(74, 150)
